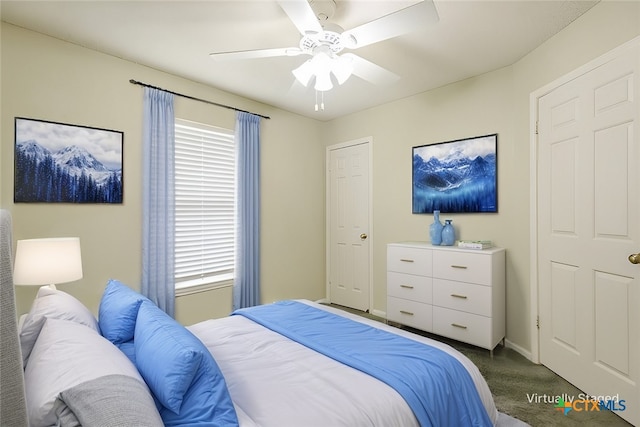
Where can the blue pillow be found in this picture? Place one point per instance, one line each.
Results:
(181, 372)
(128, 349)
(207, 402)
(164, 355)
(118, 312)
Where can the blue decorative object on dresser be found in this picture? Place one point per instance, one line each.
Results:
(435, 229)
(448, 233)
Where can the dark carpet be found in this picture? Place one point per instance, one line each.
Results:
(519, 386)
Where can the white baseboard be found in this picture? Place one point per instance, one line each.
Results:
(379, 313)
(519, 349)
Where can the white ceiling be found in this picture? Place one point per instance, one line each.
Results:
(471, 38)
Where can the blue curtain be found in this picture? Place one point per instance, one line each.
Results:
(246, 290)
(158, 199)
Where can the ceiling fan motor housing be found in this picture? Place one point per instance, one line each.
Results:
(323, 9)
(330, 37)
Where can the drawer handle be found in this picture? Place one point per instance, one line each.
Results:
(464, 267)
(455, 325)
(406, 312)
(406, 286)
(459, 296)
(406, 260)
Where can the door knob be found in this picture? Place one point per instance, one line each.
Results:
(634, 258)
(363, 236)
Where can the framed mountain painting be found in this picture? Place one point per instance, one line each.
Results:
(456, 176)
(62, 163)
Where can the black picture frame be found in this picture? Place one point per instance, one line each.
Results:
(65, 163)
(456, 176)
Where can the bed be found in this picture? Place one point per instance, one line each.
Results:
(335, 394)
(263, 366)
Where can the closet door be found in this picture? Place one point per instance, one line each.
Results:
(349, 217)
(588, 225)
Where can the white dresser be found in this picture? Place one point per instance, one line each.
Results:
(449, 291)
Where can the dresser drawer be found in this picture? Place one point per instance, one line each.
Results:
(409, 286)
(462, 266)
(410, 313)
(470, 328)
(467, 297)
(409, 260)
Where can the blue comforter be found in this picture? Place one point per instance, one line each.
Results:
(435, 385)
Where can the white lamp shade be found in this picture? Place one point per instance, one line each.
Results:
(323, 82)
(322, 65)
(304, 72)
(47, 261)
(342, 67)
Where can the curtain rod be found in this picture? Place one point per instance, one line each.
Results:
(135, 82)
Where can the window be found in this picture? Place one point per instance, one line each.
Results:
(205, 204)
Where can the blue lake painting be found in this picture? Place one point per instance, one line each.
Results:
(456, 176)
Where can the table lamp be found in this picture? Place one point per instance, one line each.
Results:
(47, 261)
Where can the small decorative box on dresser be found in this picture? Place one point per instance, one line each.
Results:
(449, 291)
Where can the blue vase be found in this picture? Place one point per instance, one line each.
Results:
(448, 233)
(435, 229)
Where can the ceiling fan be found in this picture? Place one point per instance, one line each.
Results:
(324, 42)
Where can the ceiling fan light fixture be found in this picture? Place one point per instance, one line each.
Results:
(304, 72)
(323, 81)
(342, 68)
(322, 64)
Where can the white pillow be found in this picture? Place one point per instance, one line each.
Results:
(67, 354)
(55, 304)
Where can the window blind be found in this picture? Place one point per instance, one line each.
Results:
(205, 202)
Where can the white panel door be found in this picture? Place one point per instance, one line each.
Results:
(588, 225)
(349, 254)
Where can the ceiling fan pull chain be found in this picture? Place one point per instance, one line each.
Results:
(321, 101)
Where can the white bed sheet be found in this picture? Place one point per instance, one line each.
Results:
(276, 382)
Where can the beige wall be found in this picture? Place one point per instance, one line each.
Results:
(494, 102)
(48, 79)
(45, 78)
(477, 106)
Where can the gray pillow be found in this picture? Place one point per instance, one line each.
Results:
(109, 401)
(67, 354)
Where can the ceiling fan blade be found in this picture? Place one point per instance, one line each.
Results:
(301, 14)
(253, 54)
(371, 72)
(392, 25)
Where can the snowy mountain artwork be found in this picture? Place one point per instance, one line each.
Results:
(456, 176)
(62, 163)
